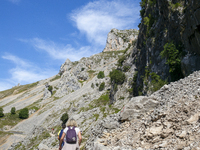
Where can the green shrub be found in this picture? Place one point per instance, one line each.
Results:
(130, 91)
(174, 6)
(149, 21)
(102, 86)
(92, 85)
(64, 117)
(121, 60)
(173, 60)
(126, 68)
(171, 53)
(100, 75)
(117, 76)
(1, 112)
(115, 87)
(13, 110)
(143, 3)
(152, 2)
(146, 21)
(97, 84)
(50, 88)
(156, 82)
(96, 116)
(102, 100)
(23, 114)
(142, 12)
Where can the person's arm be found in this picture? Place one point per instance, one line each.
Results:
(58, 135)
(61, 140)
(79, 137)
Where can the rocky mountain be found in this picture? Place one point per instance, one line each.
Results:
(76, 89)
(141, 92)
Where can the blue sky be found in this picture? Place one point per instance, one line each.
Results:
(37, 36)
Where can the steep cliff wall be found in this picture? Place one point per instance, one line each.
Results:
(175, 25)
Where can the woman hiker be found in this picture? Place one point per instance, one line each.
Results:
(73, 136)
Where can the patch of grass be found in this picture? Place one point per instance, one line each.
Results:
(55, 98)
(102, 101)
(34, 142)
(35, 105)
(55, 143)
(96, 116)
(74, 63)
(20, 146)
(91, 73)
(54, 92)
(20, 89)
(116, 110)
(55, 78)
(10, 120)
(81, 82)
(130, 91)
(2, 133)
(121, 98)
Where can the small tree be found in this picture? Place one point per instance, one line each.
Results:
(23, 114)
(100, 75)
(1, 112)
(121, 60)
(92, 85)
(102, 86)
(13, 110)
(117, 76)
(50, 88)
(64, 118)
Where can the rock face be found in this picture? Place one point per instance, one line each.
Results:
(163, 22)
(172, 124)
(120, 39)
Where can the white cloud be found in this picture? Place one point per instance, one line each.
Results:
(97, 18)
(5, 85)
(23, 75)
(59, 51)
(15, 1)
(16, 60)
(24, 72)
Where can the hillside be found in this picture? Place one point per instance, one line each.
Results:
(147, 98)
(75, 90)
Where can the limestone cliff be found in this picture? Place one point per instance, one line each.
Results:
(120, 39)
(174, 22)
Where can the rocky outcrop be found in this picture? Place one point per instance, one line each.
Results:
(120, 39)
(163, 22)
(172, 124)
